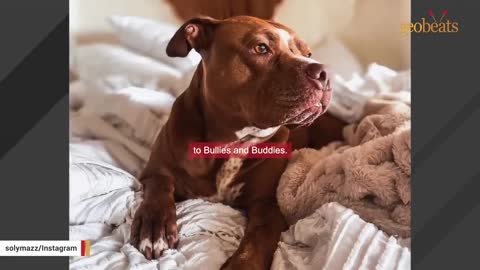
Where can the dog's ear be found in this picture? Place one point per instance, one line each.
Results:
(196, 33)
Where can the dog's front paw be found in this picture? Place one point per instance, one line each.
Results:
(154, 229)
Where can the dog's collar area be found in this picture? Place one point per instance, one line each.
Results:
(253, 135)
(256, 132)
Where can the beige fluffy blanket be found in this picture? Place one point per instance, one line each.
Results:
(368, 172)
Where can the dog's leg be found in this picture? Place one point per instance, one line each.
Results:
(324, 130)
(154, 227)
(264, 226)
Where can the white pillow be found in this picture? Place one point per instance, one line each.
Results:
(337, 56)
(151, 39)
(101, 61)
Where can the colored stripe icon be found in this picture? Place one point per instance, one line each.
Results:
(85, 248)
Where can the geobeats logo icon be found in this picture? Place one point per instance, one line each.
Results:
(442, 25)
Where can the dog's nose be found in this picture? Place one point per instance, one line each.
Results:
(317, 72)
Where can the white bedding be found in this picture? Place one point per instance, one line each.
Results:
(101, 194)
(113, 122)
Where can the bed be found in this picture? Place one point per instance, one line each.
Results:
(122, 88)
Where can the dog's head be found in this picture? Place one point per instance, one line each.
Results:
(257, 69)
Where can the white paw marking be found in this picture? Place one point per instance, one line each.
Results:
(160, 244)
(144, 244)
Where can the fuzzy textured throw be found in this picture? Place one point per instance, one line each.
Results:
(368, 172)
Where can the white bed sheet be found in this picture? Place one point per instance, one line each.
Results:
(101, 195)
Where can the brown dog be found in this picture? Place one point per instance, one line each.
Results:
(255, 81)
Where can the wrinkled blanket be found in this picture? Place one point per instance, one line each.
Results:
(369, 172)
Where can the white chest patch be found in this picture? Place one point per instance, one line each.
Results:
(227, 190)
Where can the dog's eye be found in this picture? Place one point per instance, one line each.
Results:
(309, 55)
(261, 48)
